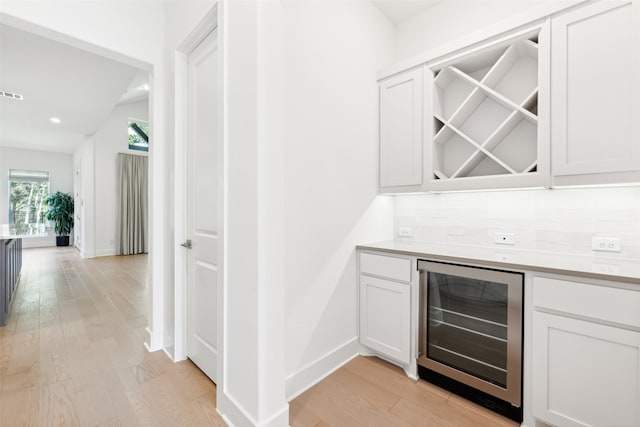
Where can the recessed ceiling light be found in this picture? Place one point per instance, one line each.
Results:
(54, 120)
(144, 87)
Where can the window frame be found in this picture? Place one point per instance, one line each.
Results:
(139, 132)
(22, 176)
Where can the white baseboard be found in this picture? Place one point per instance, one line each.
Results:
(106, 252)
(314, 372)
(234, 415)
(280, 418)
(167, 340)
(86, 254)
(153, 341)
(168, 353)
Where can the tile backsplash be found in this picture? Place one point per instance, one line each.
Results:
(558, 220)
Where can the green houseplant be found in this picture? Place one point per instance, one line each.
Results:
(61, 213)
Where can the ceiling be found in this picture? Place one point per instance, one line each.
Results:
(400, 10)
(57, 80)
(81, 88)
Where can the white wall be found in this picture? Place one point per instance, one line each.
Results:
(108, 141)
(96, 161)
(301, 191)
(333, 51)
(449, 20)
(60, 168)
(240, 40)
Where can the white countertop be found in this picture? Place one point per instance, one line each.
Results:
(9, 237)
(604, 268)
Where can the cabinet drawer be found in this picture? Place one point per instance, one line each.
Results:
(386, 266)
(582, 299)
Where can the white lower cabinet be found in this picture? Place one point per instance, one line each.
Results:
(385, 317)
(585, 354)
(388, 312)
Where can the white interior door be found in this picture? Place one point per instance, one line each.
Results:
(202, 207)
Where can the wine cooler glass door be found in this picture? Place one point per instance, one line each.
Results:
(471, 327)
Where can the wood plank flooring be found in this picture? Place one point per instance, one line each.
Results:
(72, 355)
(371, 392)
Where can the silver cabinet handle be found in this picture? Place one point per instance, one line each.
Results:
(187, 244)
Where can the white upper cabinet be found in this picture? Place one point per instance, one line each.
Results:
(553, 102)
(485, 113)
(401, 132)
(595, 56)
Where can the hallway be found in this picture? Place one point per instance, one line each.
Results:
(72, 352)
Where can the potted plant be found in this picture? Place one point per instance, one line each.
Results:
(61, 213)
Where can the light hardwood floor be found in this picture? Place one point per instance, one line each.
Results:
(72, 355)
(371, 392)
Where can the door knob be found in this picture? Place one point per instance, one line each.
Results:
(187, 244)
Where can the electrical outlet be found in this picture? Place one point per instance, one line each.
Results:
(404, 231)
(607, 244)
(505, 238)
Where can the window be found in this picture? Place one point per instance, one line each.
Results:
(28, 191)
(138, 135)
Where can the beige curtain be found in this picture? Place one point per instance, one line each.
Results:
(133, 205)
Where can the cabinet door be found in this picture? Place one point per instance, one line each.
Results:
(595, 83)
(585, 374)
(401, 131)
(385, 317)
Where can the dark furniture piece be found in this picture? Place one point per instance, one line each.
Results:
(10, 267)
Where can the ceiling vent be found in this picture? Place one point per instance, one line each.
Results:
(11, 95)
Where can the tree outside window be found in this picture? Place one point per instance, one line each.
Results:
(28, 191)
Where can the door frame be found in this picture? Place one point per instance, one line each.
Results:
(208, 24)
